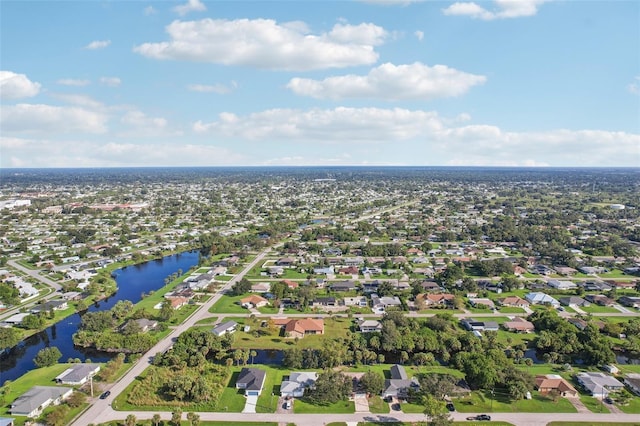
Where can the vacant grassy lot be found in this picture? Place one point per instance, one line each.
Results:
(228, 305)
(483, 401)
(304, 407)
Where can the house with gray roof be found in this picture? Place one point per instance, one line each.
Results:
(598, 384)
(539, 298)
(573, 301)
(251, 380)
(399, 384)
(33, 402)
(227, 327)
(78, 374)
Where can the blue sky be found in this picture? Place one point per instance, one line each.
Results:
(384, 82)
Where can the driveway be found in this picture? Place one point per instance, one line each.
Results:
(250, 404)
(362, 404)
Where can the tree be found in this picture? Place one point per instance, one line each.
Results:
(9, 337)
(372, 382)
(193, 418)
(156, 419)
(32, 322)
(166, 311)
(76, 399)
(331, 386)
(241, 287)
(47, 356)
(437, 385)
(57, 416)
(176, 416)
(436, 411)
(130, 420)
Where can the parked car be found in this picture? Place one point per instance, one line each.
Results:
(450, 406)
(287, 405)
(608, 400)
(395, 407)
(481, 417)
(105, 395)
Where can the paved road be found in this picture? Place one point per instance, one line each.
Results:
(103, 405)
(518, 419)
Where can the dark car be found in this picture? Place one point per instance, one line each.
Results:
(395, 407)
(484, 417)
(608, 400)
(450, 406)
(105, 395)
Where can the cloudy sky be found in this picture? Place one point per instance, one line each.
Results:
(377, 82)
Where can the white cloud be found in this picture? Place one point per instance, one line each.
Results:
(634, 86)
(503, 9)
(429, 138)
(263, 43)
(220, 89)
(149, 10)
(391, 82)
(17, 86)
(190, 6)
(79, 100)
(325, 126)
(90, 153)
(419, 35)
(98, 44)
(110, 81)
(73, 82)
(38, 118)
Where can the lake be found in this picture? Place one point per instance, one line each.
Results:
(132, 282)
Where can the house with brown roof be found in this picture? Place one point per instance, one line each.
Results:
(519, 325)
(514, 301)
(300, 327)
(253, 301)
(431, 299)
(553, 382)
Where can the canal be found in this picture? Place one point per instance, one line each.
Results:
(132, 282)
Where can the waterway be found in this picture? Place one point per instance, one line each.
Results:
(132, 282)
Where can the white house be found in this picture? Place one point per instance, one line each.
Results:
(538, 298)
(33, 402)
(297, 382)
(78, 375)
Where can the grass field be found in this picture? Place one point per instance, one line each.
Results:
(483, 401)
(228, 305)
(594, 405)
(304, 407)
(377, 405)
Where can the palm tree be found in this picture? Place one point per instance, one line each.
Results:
(253, 353)
(156, 419)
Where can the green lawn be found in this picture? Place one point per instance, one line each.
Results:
(232, 400)
(39, 377)
(377, 405)
(597, 309)
(588, 424)
(260, 337)
(482, 401)
(594, 405)
(633, 407)
(511, 310)
(300, 406)
(228, 305)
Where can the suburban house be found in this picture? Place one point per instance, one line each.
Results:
(578, 322)
(297, 383)
(286, 262)
(253, 301)
(474, 325)
(343, 286)
(324, 301)
(598, 384)
(600, 299)
(538, 298)
(632, 380)
(519, 325)
(359, 301)
(399, 384)
(562, 285)
(77, 375)
(573, 301)
(513, 301)
(52, 305)
(227, 327)
(260, 288)
(631, 302)
(251, 380)
(440, 299)
(323, 270)
(33, 402)
(381, 303)
(553, 382)
(430, 287)
(482, 302)
(369, 326)
(300, 327)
